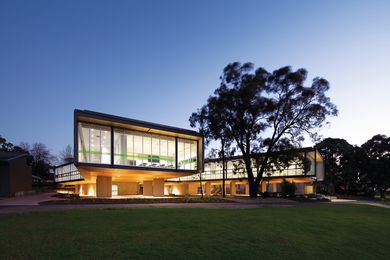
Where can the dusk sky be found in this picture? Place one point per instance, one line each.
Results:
(158, 61)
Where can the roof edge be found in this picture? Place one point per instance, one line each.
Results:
(136, 122)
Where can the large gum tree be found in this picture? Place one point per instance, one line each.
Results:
(264, 112)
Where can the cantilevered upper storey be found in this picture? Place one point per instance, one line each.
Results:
(112, 145)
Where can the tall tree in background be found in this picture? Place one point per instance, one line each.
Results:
(66, 155)
(378, 168)
(209, 123)
(266, 112)
(43, 160)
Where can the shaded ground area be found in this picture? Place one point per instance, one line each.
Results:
(301, 232)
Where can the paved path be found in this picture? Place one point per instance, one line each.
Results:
(31, 200)
(360, 202)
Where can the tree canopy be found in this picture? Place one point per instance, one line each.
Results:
(378, 151)
(342, 166)
(261, 111)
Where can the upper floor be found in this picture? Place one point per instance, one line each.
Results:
(102, 140)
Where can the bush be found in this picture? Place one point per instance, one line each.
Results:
(288, 189)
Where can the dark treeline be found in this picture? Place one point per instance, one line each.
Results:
(356, 170)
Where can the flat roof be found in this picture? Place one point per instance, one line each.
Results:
(133, 122)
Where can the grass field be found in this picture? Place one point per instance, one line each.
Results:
(302, 232)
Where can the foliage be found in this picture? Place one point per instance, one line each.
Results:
(9, 147)
(357, 170)
(208, 121)
(252, 103)
(342, 166)
(378, 167)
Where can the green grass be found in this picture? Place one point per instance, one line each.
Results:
(302, 232)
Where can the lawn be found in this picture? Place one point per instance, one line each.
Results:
(302, 232)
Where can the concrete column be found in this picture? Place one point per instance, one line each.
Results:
(193, 188)
(207, 188)
(148, 188)
(263, 186)
(77, 189)
(246, 189)
(103, 186)
(183, 189)
(158, 187)
(232, 188)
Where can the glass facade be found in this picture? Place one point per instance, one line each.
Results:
(187, 154)
(67, 172)
(144, 150)
(213, 170)
(135, 148)
(94, 143)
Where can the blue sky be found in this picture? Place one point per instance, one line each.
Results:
(159, 60)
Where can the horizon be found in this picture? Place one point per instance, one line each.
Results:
(132, 59)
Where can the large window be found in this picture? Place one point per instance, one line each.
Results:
(94, 143)
(144, 150)
(134, 148)
(187, 154)
(67, 172)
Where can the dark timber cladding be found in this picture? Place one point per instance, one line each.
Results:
(116, 122)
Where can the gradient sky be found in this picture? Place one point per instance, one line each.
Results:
(159, 60)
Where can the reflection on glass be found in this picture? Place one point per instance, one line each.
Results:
(144, 150)
(187, 154)
(94, 143)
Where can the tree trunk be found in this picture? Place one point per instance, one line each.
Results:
(223, 169)
(253, 187)
(200, 183)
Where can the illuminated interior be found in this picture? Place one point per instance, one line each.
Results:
(135, 148)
